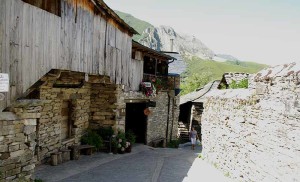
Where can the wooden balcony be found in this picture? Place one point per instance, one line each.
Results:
(163, 83)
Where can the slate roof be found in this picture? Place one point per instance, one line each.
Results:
(197, 96)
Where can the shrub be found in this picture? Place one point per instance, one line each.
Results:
(121, 138)
(92, 138)
(130, 136)
(242, 84)
(105, 132)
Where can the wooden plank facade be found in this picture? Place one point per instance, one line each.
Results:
(86, 37)
(140, 63)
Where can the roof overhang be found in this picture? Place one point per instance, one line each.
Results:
(100, 4)
(139, 47)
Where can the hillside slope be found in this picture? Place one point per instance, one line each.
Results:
(199, 72)
(217, 69)
(137, 24)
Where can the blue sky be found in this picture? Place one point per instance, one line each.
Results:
(265, 31)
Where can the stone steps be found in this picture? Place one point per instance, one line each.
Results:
(183, 131)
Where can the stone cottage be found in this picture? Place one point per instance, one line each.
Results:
(191, 109)
(72, 65)
(253, 134)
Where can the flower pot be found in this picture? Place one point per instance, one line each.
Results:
(114, 150)
(121, 152)
(128, 149)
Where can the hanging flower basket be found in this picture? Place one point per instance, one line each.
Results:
(148, 89)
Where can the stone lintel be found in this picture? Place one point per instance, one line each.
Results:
(8, 116)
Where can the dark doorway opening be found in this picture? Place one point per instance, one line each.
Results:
(136, 121)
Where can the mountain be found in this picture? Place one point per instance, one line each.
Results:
(162, 38)
(137, 24)
(196, 55)
(225, 57)
(159, 38)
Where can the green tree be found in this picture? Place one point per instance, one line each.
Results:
(195, 81)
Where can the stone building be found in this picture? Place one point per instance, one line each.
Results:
(162, 123)
(253, 134)
(72, 65)
(228, 78)
(191, 109)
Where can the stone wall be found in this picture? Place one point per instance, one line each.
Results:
(253, 135)
(158, 119)
(197, 112)
(50, 123)
(228, 78)
(103, 99)
(107, 106)
(18, 141)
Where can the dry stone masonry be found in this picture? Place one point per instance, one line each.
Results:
(18, 140)
(158, 120)
(64, 117)
(253, 134)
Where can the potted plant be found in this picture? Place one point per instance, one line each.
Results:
(121, 139)
(114, 145)
(157, 82)
(130, 137)
(147, 89)
(128, 147)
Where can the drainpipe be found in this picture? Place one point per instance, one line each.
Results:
(172, 120)
(167, 131)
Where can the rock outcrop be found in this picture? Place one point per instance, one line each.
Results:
(159, 38)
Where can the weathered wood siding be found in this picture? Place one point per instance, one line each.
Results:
(34, 41)
(136, 73)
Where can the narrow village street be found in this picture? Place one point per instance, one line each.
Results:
(142, 164)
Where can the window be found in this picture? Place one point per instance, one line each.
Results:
(149, 65)
(52, 6)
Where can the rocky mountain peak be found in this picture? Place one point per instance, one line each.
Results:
(160, 38)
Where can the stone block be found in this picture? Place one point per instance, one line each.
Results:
(3, 148)
(261, 88)
(28, 167)
(13, 147)
(8, 167)
(19, 137)
(30, 122)
(1, 138)
(4, 155)
(31, 137)
(13, 172)
(10, 178)
(29, 115)
(16, 153)
(29, 129)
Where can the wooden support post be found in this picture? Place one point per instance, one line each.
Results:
(54, 159)
(59, 157)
